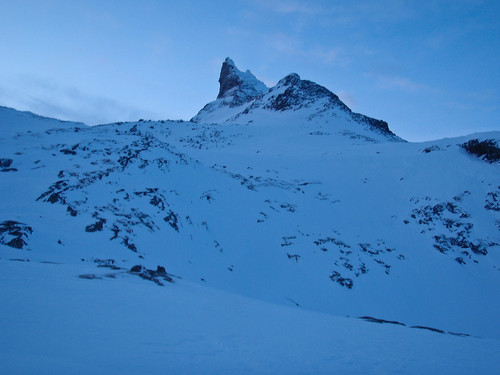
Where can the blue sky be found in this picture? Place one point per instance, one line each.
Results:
(429, 68)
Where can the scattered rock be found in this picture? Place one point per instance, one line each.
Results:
(5, 162)
(487, 149)
(129, 245)
(137, 268)
(90, 276)
(156, 276)
(296, 257)
(172, 220)
(96, 227)
(14, 234)
(71, 211)
(381, 321)
(492, 201)
(429, 329)
(343, 281)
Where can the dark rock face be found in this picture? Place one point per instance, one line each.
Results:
(228, 78)
(14, 234)
(237, 86)
(487, 150)
(302, 94)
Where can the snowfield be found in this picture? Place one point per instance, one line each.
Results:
(292, 236)
(56, 323)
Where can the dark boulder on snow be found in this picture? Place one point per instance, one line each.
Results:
(96, 227)
(5, 163)
(136, 268)
(72, 211)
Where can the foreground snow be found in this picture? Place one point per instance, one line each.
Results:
(53, 322)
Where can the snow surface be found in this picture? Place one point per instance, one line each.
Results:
(55, 323)
(272, 231)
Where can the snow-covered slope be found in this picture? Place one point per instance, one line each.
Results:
(55, 323)
(281, 216)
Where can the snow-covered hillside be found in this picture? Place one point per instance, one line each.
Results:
(286, 206)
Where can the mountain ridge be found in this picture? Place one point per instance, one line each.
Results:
(241, 94)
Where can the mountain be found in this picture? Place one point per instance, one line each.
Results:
(193, 247)
(243, 99)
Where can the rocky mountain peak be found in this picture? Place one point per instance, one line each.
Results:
(237, 85)
(289, 80)
(242, 95)
(228, 77)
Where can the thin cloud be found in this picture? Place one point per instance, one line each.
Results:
(285, 44)
(401, 83)
(46, 98)
(289, 7)
(332, 56)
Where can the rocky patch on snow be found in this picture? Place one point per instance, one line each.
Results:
(451, 226)
(5, 164)
(14, 234)
(487, 149)
(158, 276)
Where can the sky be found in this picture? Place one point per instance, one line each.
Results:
(429, 68)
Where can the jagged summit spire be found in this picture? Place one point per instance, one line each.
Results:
(239, 85)
(229, 61)
(228, 77)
